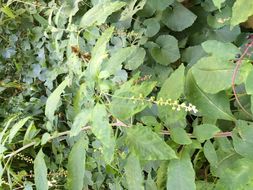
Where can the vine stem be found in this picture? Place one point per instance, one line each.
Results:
(238, 64)
(217, 135)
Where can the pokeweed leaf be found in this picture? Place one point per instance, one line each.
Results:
(205, 131)
(54, 99)
(180, 136)
(178, 18)
(210, 153)
(16, 127)
(136, 59)
(241, 10)
(80, 121)
(40, 172)
(219, 49)
(210, 105)
(134, 173)
(104, 9)
(166, 50)
(7, 10)
(148, 145)
(248, 83)
(213, 74)
(76, 165)
(180, 175)
(103, 131)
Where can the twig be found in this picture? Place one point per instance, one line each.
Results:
(218, 135)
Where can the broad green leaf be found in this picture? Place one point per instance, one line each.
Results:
(134, 173)
(103, 131)
(54, 99)
(162, 175)
(220, 19)
(99, 53)
(180, 136)
(241, 10)
(210, 153)
(7, 10)
(178, 17)
(76, 165)
(210, 105)
(104, 9)
(205, 131)
(160, 5)
(213, 74)
(16, 127)
(123, 105)
(192, 54)
(135, 59)
(45, 138)
(40, 172)
(148, 145)
(80, 121)
(165, 51)
(152, 27)
(218, 3)
(249, 83)
(226, 51)
(181, 175)
(242, 138)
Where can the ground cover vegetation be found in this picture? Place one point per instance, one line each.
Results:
(126, 94)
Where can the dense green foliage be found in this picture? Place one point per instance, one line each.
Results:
(126, 94)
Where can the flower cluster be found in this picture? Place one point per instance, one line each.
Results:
(24, 158)
(161, 102)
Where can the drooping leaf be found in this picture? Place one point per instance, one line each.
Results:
(210, 105)
(178, 17)
(205, 131)
(181, 175)
(16, 127)
(134, 173)
(54, 99)
(76, 165)
(148, 145)
(40, 172)
(104, 9)
(103, 131)
(210, 153)
(241, 11)
(180, 136)
(165, 51)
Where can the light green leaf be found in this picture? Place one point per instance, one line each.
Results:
(160, 5)
(165, 51)
(134, 173)
(8, 11)
(76, 165)
(249, 83)
(226, 51)
(178, 17)
(103, 131)
(210, 153)
(45, 138)
(192, 54)
(148, 145)
(210, 105)
(218, 3)
(241, 10)
(40, 172)
(16, 127)
(181, 175)
(80, 121)
(104, 9)
(180, 136)
(152, 27)
(135, 59)
(54, 99)
(205, 131)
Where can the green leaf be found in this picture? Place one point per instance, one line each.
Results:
(248, 83)
(148, 145)
(45, 138)
(103, 131)
(152, 27)
(80, 121)
(181, 175)
(159, 5)
(210, 105)
(210, 153)
(40, 172)
(241, 10)
(205, 131)
(135, 59)
(226, 51)
(134, 173)
(217, 3)
(242, 138)
(8, 12)
(104, 9)
(54, 99)
(76, 165)
(178, 17)
(165, 50)
(16, 127)
(179, 136)
(213, 74)
(192, 54)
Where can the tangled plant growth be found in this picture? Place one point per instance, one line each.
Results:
(126, 94)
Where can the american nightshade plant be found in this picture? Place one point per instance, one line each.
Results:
(126, 94)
